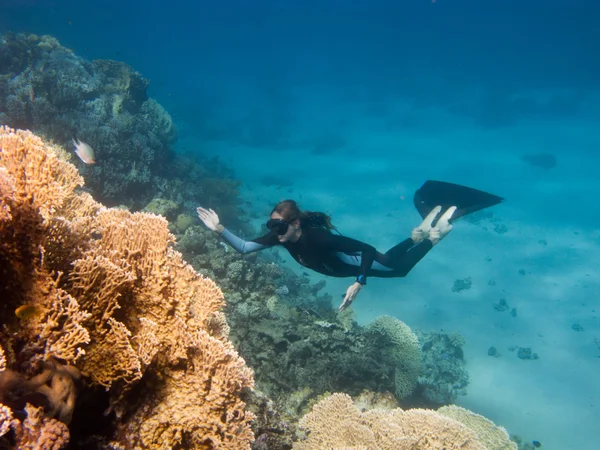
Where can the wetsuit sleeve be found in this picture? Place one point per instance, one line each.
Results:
(345, 244)
(245, 247)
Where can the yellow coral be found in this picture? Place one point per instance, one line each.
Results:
(39, 175)
(117, 301)
(2, 360)
(336, 423)
(493, 436)
(170, 415)
(6, 419)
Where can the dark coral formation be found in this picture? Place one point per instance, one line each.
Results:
(444, 377)
(46, 88)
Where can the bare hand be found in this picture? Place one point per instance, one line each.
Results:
(209, 217)
(351, 294)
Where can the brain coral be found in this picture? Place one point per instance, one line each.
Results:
(394, 337)
(100, 294)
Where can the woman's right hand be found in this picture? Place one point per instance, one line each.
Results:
(210, 218)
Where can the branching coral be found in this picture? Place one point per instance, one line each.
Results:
(105, 295)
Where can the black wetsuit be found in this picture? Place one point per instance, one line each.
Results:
(340, 256)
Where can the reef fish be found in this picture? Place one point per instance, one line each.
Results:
(84, 151)
(27, 311)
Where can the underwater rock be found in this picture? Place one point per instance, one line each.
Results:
(501, 305)
(542, 160)
(526, 353)
(500, 228)
(577, 327)
(462, 285)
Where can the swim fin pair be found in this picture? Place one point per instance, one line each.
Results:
(467, 200)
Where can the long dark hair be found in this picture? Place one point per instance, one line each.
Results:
(289, 210)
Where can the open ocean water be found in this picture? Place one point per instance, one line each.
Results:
(348, 106)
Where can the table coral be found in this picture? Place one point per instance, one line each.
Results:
(112, 299)
(493, 436)
(336, 423)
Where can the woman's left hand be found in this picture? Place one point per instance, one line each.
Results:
(351, 294)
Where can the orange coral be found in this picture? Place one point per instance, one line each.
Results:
(37, 431)
(111, 296)
(39, 176)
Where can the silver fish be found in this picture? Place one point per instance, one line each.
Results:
(84, 151)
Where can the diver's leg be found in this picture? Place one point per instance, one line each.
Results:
(404, 256)
(418, 235)
(401, 259)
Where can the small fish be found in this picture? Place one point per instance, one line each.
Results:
(84, 151)
(27, 311)
(536, 444)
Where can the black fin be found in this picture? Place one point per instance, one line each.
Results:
(466, 199)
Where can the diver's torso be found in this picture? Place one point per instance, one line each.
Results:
(322, 260)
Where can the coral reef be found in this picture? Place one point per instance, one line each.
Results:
(394, 338)
(46, 88)
(491, 435)
(336, 423)
(98, 298)
(444, 377)
(301, 348)
(36, 431)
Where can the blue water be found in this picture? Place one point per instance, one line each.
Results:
(356, 103)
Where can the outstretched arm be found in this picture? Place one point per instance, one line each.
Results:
(345, 244)
(211, 220)
(245, 247)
